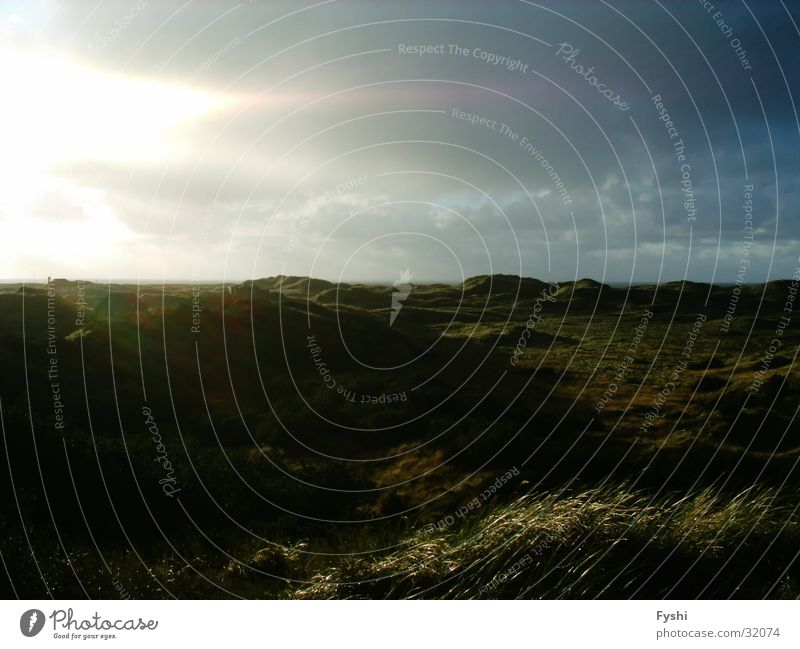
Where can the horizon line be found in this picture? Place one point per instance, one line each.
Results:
(231, 281)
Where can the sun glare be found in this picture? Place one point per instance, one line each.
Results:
(63, 114)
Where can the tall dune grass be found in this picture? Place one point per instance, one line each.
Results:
(600, 543)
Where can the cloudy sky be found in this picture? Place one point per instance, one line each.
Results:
(200, 139)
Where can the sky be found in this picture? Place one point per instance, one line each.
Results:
(626, 141)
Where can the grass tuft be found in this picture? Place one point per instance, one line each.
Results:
(599, 543)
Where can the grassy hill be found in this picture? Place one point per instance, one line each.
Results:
(317, 445)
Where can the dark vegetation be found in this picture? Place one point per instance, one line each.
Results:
(288, 487)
